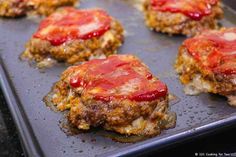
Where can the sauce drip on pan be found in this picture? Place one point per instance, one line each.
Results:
(195, 9)
(215, 50)
(70, 24)
(118, 77)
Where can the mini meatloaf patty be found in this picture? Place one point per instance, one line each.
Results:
(186, 17)
(207, 63)
(118, 93)
(72, 36)
(16, 8)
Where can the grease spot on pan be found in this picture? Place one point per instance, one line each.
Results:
(173, 99)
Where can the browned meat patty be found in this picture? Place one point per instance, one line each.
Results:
(118, 93)
(72, 36)
(207, 63)
(185, 17)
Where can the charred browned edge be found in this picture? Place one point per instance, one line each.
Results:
(177, 23)
(221, 83)
(77, 50)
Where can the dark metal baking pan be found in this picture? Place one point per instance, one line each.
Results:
(24, 88)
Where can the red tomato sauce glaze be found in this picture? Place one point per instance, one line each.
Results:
(112, 73)
(194, 9)
(70, 24)
(215, 50)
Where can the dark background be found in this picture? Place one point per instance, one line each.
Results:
(219, 142)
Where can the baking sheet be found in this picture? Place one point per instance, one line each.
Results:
(39, 127)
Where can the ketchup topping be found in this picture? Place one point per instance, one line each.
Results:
(195, 9)
(215, 50)
(70, 24)
(118, 76)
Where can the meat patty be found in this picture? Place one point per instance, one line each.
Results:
(72, 36)
(185, 17)
(118, 93)
(16, 8)
(207, 63)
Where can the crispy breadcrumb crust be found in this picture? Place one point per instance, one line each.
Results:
(12, 8)
(17, 8)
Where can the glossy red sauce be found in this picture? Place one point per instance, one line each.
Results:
(195, 9)
(70, 24)
(111, 74)
(215, 50)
